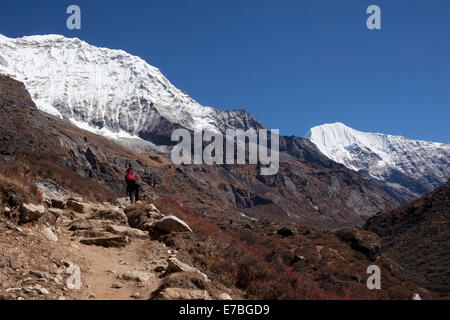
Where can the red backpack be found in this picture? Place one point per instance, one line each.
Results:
(131, 176)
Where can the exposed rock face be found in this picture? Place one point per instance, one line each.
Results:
(53, 193)
(366, 242)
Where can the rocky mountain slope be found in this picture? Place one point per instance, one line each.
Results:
(309, 187)
(417, 236)
(405, 168)
(239, 235)
(64, 247)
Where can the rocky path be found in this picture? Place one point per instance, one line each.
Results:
(80, 250)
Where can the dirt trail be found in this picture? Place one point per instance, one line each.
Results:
(107, 265)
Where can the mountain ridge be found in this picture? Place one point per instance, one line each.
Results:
(406, 168)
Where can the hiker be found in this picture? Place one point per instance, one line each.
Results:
(132, 180)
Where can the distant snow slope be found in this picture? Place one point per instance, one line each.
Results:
(410, 166)
(111, 89)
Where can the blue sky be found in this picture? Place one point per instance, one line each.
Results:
(293, 64)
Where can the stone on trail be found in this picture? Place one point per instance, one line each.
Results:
(131, 232)
(138, 276)
(48, 233)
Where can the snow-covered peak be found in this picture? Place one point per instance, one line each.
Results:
(414, 165)
(107, 88)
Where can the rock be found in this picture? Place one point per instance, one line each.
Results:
(82, 224)
(76, 206)
(172, 224)
(48, 233)
(225, 296)
(44, 291)
(15, 264)
(416, 297)
(52, 193)
(361, 240)
(57, 203)
(40, 274)
(286, 232)
(175, 265)
(131, 232)
(122, 201)
(118, 217)
(75, 198)
(74, 281)
(56, 211)
(138, 276)
(30, 212)
(183, 294)
(116, 286)
(152, 208)
(136, 295)
(296, 259)
(6, 210)
(107, 242)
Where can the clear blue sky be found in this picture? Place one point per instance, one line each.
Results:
(291, 63)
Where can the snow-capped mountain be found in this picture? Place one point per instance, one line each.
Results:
(108, 91)
(411, 167)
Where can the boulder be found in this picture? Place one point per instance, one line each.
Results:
(52, 193)
(138, 276)
(175, 265)
(183, 294)
(107, 242)
(141, 217)
(31, 212)
(77, 206)
(131, 232)
(48, 233)
(172, 224)
(361, 240)
(116, 216)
